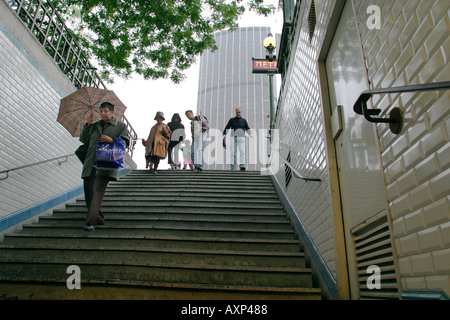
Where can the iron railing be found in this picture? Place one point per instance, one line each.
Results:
(49, 28)
(41, 18)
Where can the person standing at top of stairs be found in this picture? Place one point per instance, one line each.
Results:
(199, 131)
(157, 143)
(239, 126)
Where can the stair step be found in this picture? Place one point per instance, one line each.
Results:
(72, 211)
(190, 199)
(149, 209)
(104, 254)
(187, 193)
(193, 196)
(157, 205)
(189, 178)
(219, 217)
(148, 222)
(147, 271)
(162, 231)
(116, 290)
(198, 188)
(217, 173)
(148, 242)
(199, 192)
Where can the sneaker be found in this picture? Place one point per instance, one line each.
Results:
(242, 168)
(89, 227)
(200, 168)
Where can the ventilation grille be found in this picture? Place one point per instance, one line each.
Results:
(287, 171)
(312, 20)
(373, 247)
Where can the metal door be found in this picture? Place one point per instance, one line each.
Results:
(360, 178)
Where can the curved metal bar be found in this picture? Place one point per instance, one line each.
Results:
(395, 119)
(358, 107)
(296, 173)
(7, 171)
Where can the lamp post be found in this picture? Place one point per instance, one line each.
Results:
(270, 45)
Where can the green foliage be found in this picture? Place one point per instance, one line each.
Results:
(153, 38)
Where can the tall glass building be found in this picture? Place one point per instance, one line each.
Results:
(226, 82)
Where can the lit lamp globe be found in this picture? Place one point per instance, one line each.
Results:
(269, 42)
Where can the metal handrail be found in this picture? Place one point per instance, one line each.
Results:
(132, 135)
(366, 95)
(7, 171)
(297, 174)
(395, 119)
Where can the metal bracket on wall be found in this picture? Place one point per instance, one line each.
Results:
(395, 119)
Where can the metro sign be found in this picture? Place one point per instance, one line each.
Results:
(264, 66)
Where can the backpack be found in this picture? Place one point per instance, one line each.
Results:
(205, 122)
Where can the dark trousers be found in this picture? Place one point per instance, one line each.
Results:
(94, 192)
(153, 160)
(170, 154)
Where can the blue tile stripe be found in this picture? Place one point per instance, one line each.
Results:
(14, 218)
(424, 295)
(19, 216)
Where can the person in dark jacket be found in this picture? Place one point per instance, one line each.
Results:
(96, 180)
(238, 126)
(177, 136)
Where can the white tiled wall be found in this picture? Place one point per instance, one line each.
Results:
(301, 126)
(29, 132)
(413, 47)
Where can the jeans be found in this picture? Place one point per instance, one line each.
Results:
(239, 145)
(198, 146)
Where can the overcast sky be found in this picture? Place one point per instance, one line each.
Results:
(144, 98)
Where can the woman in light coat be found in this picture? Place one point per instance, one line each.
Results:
(157, 142)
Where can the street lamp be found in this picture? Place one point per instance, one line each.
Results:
(270, 45)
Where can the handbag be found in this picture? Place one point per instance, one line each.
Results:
(110, 155)
(159, 149)
(81, 152)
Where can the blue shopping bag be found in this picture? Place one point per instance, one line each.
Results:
(110, 155)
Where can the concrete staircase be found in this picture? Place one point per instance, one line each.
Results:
(175, 235)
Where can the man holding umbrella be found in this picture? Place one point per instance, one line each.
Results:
(96, 179)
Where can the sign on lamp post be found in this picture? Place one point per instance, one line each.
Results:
(264, 66)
